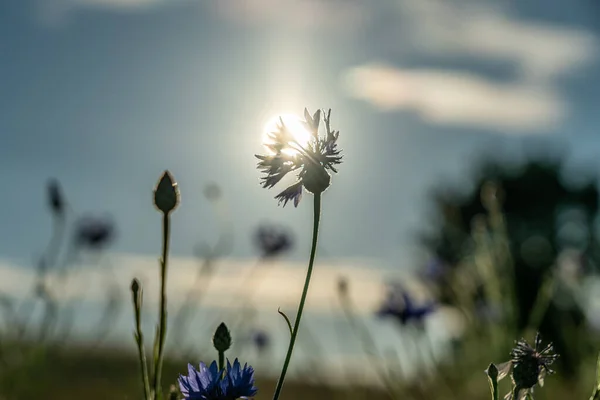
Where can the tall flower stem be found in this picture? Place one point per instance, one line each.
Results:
(313, 251)
(162, 330)
(139, 336)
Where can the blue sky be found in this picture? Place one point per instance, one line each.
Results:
(106, 94)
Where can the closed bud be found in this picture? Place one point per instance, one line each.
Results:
(136, 292)
(166, 194)
(316, 179)
(222, 338)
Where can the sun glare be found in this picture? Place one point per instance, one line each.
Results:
(294, 125)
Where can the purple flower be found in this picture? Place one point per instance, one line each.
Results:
(208, 383)
(94, 232)
(399, 305)
(240, 381)
(204, 383)
(313, 160)
(272, 240)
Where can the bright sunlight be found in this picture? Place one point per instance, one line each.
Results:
(293, 123)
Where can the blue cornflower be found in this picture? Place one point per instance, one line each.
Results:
(400, 306)
(314, 159)
(208, 383)
(202, 384)
(240, 381)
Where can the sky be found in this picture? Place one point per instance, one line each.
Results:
(104, 95)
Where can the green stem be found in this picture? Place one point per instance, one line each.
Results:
(221, 361)
(515, 394)
(139, 338)
(162, 332)
(313, 251)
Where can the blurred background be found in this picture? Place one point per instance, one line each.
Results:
(464, 216)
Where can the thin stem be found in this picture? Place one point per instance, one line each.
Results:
(313, 251)
(162, 331)
(139, 338)
(221, 360)
(369, 345)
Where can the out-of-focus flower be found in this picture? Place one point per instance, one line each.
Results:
(94, 232)
(56, 198)
(261, 340)
(528, 367)
(435, 271)
(272, 240)
(399, 305)
(313, 160)
(208, 383)
(342, 286)
(212, 191)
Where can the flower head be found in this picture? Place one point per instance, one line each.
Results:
(400, 306)
(203, 384)
(208, 383)
(94, 232)
(240, 381)
(528, 366)
(56, 198)
(313, 160)
(261, 339)
(272, 240)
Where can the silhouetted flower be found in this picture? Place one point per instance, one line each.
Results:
(272, 240)
(528, 367)
(208, 383)
(313, 159)
(55, 197)
(401, 307)
(94, 232)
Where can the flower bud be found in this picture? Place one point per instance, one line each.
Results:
(222, 338)
(166, 194)
(316, 179)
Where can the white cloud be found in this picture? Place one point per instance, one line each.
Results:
(303, 14)
(279, 285)
(487, 30)
(453, 98)
(540, 53)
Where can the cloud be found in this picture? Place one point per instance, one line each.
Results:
(479, 31)
(279, 285)
(445, 97)
(487, 30)
(306, 14)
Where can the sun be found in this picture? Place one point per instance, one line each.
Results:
(294, 125)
